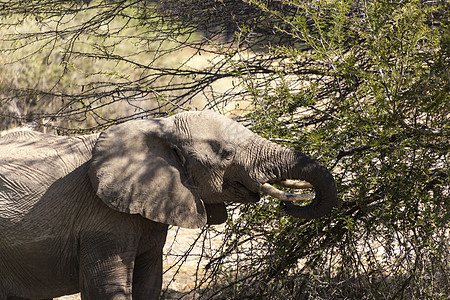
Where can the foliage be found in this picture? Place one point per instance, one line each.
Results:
(365, 87)
(362, 85)
(78, 67)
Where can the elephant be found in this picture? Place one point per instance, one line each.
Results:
(90, 213)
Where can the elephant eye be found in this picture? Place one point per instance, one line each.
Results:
(228, 152)
(220, 151)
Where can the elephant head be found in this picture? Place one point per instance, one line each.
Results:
(181, 170)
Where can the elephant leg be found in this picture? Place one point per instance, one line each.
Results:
(106, 269)
(147, 276)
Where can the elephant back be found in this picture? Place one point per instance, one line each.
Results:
(49, 155)
(30, 162)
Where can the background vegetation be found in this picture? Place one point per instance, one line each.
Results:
(362, 85)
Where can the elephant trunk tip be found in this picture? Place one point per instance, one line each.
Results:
(297, 170)
(322, 201)
(286, 196)
(322, 204)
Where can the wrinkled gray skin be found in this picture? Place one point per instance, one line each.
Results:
(91, 213)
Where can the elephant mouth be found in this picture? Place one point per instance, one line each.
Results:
(243, 194)
(240, 193)
(236, 191)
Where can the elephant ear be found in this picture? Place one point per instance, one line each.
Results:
(217, 213)
(136, 169)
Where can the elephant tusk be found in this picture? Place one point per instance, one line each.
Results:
(284, 196)
(293, 184)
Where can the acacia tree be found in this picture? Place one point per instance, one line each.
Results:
(363, 85)
(71, 65)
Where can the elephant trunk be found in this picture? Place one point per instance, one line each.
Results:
(299, 166)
